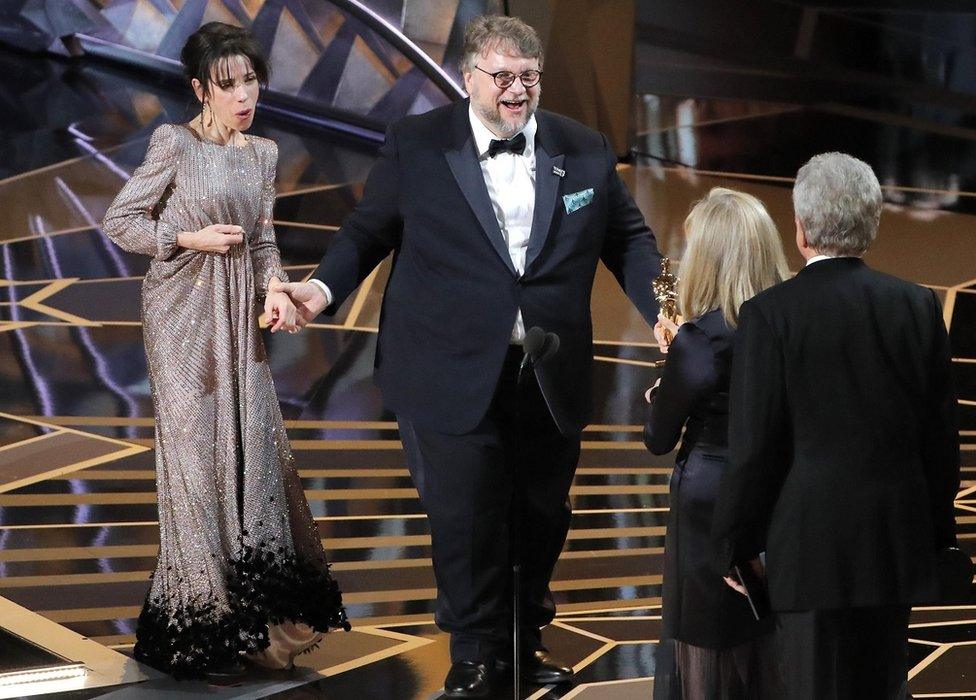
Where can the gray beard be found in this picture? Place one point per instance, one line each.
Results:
(502, 127)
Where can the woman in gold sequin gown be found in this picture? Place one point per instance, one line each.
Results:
(239, 550)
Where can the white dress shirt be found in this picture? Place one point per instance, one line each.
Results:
(510, 180)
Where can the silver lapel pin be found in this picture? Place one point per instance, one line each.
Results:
(558, 172)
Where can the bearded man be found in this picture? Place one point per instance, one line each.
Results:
(497, 215)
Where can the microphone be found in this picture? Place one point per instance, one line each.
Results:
(549, 348)
(535, 340)
(539, 346)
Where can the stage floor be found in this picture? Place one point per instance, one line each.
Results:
(78, 530)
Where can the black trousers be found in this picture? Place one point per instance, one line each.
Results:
(849, 654)
(496, 492)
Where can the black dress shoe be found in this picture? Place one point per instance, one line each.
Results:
(468, 679)
(539, 667)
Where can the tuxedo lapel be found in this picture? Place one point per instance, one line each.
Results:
(546, 189)
(463, 161)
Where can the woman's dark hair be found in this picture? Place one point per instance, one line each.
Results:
(209, 46)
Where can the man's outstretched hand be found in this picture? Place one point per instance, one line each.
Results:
(307, 298)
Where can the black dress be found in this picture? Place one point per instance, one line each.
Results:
(699, 609)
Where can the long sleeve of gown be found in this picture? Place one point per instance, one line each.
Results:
(265, 257)
(689, 376)
(132, 219)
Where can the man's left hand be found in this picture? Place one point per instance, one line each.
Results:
(734, 584)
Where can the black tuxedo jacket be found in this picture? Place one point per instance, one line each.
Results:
(844, 455)
(453, 293)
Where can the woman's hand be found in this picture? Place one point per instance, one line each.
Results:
(664, 331)
(215, 238)
(308, 299)
(280, 312)
(649, 394)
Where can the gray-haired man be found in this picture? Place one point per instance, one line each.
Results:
(844, 455)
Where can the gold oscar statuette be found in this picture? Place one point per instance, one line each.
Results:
(665, 287)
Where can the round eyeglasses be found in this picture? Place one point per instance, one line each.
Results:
(505, 78)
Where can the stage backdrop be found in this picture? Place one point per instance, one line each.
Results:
(371, 60)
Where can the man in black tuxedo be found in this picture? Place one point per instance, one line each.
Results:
(497, 215)
(844, 452)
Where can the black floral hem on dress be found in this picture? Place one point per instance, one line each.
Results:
(264, 588)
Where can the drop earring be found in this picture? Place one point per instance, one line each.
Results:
(207, 114)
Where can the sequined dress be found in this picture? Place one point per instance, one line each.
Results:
(238, 547)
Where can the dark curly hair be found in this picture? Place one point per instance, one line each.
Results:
(205, 53)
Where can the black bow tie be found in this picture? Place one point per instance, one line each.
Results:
(514, 145)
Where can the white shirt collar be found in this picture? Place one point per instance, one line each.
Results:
(483, 136)
(817, 258)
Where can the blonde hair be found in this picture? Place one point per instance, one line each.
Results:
(733, 253)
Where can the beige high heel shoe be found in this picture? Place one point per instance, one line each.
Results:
(288, 640)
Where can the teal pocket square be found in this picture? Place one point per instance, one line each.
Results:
(577, 200)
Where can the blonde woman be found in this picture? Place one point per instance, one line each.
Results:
(733, 252)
